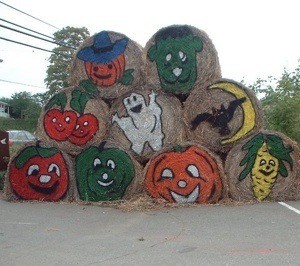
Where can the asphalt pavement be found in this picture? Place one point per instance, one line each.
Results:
(71, 234)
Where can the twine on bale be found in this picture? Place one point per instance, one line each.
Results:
(39, 171)
(185, 173)
(73, 119)
(179, 57)
(144, 121)
(111, 61)
(264, 167)
(107, 173)
(224, 113)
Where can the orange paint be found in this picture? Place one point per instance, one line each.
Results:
(184, 177)
(106, 74)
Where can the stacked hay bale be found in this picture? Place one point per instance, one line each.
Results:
(159, 121)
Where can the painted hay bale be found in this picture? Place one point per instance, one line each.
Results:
(180, 56)
(265, 166)
(73, 119)
(111, 61)
(185, 174)
(143, 122)
(223, 114)
(39, 171)
(107, 173)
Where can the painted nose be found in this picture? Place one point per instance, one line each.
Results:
(177, 71)
(182, 184)
(45, 178)
(105, 176)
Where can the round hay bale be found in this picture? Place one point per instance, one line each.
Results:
(73, 119)
(106, 173)
(185, 174)
(264, 166)
(180, 56)
(221, 115)
(110, 61)
(39, 171)
(144, 122)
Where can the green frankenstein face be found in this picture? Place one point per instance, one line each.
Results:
(103, 174)
(174, 52)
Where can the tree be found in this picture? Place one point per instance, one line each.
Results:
(23, 105)
(281, 102)
(59, 68)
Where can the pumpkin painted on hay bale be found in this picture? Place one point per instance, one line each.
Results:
(39, 172)
(264, 166)
(143, 121)
(111, 61)
(107, 173)
(186, 175)
(180, 56)
(74, 119)
(221, 115)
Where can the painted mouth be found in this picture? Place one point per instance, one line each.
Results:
(102, 76)
(60, 129)
(191, 198)
(103, 184)
(266, 173)
(178, 79)
(44, 190)
(137, 109)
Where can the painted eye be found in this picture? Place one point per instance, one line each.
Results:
(97, 164)
(53, 168)
(168, 57)
(54, 120)
(262, 162)
(192, 171)
(167, 174)
(111, 164)
(128, 101)
(77, 126)
(272, 162)
(67, 119)
(182, 56)
(134, 98)
(95, 68)
(33, 170)
(85, 123)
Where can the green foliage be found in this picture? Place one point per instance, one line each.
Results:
(23, 105)
(18, 124)
(2, 179)
(281, 102)
(59, 68)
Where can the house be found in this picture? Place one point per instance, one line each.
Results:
(4, 109)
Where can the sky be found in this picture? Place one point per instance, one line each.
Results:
(254, 39)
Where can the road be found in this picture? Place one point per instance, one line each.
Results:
(71, 234)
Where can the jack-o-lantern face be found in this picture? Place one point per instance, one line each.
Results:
(106, 74)
(39, 174)
(184, 177)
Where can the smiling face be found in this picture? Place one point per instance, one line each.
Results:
(187, 177)
(38, 177)
(103, 175)
(59, 124)
(175, 57)
(106, 74)
(134, 104)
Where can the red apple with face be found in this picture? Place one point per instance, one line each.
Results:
(86, 127)
(59, 124)
(39, 173)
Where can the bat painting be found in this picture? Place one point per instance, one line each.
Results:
(219, 117)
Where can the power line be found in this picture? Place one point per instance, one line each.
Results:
(19, 83)
(30, 15)
(9, 22)
(35, 47)
(43, 39)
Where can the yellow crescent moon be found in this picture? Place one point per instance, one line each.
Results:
(247, 106)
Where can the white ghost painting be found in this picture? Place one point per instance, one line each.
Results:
(143, 123)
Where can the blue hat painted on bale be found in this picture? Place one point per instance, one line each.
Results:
(103, 50)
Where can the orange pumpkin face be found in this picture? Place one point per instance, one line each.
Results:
(106, 74)
(184, 177)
